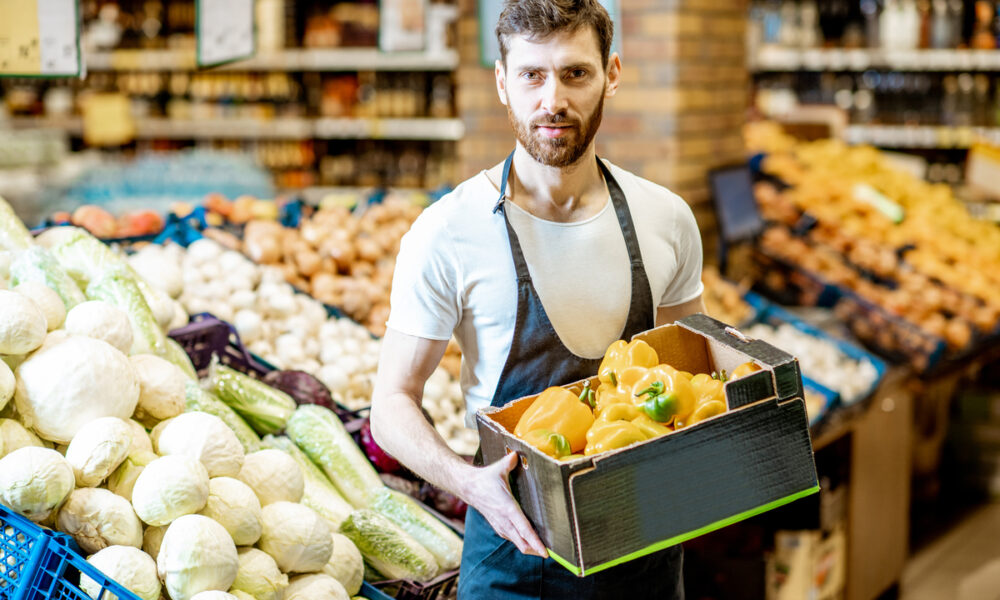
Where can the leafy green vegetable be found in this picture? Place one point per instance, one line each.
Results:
(13, 234)
(389, 549)
(117, 286)
(37, 264)
(319, 493)
(266, 409)
(321, 435)
(424, 527)
(197, 399)
(177, 355)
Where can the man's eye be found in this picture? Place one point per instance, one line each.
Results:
(531, 76)
(577, 73)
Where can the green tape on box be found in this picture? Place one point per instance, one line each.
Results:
(677, 539)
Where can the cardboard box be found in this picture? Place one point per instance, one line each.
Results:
(596, 512)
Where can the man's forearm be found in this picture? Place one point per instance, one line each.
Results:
(401, 429)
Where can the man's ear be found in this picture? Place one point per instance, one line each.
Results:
(614, 75)
(501, 76)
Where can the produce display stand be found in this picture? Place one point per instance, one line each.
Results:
(206, 336)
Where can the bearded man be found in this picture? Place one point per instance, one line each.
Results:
(535, 266)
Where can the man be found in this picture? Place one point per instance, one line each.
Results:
(535, 266)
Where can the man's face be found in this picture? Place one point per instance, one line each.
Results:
(554, 90)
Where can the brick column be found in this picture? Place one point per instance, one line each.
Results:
(677, 114)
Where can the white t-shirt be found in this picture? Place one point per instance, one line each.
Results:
(455, 274)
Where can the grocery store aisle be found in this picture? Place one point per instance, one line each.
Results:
(964, 564)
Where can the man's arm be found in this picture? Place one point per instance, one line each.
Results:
(399, 426)
(669, 314)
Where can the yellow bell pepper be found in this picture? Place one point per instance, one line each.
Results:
(619, 411)
(559, 411)
(664, 394)
(650, 427)
(707, 389)
(607, 395)
(609, 436)
(706, 410)
(621, 354)
(743, 370)
(548, 442)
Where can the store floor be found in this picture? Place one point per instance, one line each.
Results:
(963, 564)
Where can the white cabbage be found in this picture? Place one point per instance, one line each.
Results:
(203, 437)
(232, 504)
(129, 567)
(97, 450)
(196, 555)
(35, 481)
(259, 575)
(103, 321)
(97, 518)
(296, 537)
(170, 487)
(273, 475)
(315, 587)
(74, 381)
(161, 385)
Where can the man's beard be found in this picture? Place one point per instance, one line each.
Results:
(562, 151)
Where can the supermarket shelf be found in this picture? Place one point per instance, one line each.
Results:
(312, 59)
(921, 136)
(278, 129)
(835, 59)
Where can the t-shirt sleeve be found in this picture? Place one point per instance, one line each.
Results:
(424, 301)
(686, 238)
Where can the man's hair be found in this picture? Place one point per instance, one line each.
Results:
(538, 19)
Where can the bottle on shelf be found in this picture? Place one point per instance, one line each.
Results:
(983, 37)
(871, 11)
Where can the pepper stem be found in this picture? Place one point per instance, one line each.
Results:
(655, 389)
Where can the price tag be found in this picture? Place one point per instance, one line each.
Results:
(39, 38)
(225, 31)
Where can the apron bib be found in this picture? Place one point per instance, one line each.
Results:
(492, 567)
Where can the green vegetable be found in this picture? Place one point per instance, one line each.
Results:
(117, 287)
(86, 259)
(319, 493)
(321, 435)
(389, 549)
(659, 406)
(197, 399)
(424, 527)
(13, 234)
(177, 355)
(266, 409)
(37, 264)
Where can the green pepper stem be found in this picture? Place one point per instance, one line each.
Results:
(655, 389)
(614, 379)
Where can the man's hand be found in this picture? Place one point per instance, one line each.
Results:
(489, 492)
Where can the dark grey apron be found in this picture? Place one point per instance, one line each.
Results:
(492, 567)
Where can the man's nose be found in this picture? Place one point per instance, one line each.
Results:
(554, 98)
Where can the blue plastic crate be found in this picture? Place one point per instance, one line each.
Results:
(768, 312)
(42, 564)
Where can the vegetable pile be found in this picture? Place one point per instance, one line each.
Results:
(637, 399)
(292, 330)
(820, 360)
(164, 481)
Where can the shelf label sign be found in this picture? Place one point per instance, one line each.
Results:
(225, 31)
(39, 38)
(489, 14)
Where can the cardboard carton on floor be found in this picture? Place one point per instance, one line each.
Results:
(596, 512)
